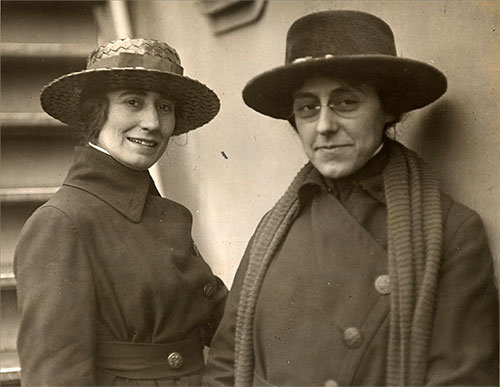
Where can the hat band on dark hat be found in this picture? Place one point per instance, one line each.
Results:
(306, 58)
(125, 59)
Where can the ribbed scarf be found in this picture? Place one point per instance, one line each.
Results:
(414, 251)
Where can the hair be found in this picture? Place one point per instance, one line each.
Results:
(94, 114)
(387, 99)
(389, 105)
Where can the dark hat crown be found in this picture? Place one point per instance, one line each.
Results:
(338, 33)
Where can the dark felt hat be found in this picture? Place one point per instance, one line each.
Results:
(344, 44)
(145, 64)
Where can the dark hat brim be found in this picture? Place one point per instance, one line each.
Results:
(410, 84)
(196, 104)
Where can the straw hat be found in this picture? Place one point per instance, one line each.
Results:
(132, 63)
(344, 44)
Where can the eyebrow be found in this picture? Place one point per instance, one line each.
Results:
(143, 93)
(341, 89)
(137, 92)
(303, 94)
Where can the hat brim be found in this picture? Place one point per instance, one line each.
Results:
(196, 104)
(411, 84)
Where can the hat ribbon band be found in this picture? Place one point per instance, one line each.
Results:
(147, 62)
(307, 58)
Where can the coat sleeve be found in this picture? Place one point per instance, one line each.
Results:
(218, 310)
(220, 365)
(464, 346)
(219, 303)
(56, 340)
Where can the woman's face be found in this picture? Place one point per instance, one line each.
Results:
(340, 126)
(138, 127)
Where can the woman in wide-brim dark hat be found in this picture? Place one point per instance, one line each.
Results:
(111, 288)
(364, 272)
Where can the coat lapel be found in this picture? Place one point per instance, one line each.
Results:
(354, 264)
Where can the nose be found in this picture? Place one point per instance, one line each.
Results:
(327, 121)
(150, 119)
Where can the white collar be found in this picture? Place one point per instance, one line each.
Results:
(377, 150)
(99, 148)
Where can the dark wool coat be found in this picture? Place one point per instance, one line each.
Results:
(322, 315)
(108, 260)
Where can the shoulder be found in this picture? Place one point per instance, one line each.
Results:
(456, 215)
(463, 229)
(170, 207)
(49, 233)
(48, 220)
(75, 203)
(68, 210)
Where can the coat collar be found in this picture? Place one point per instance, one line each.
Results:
(122, 188)
(369, 178)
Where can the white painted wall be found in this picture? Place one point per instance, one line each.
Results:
(459, 133)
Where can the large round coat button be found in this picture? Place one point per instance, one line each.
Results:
(331, 383)
(383, 284)
(209, 290)
(353, 337)
(175, 360)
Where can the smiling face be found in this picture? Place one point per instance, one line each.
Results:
(138, 128)
(340, 126)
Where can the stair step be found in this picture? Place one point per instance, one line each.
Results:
(43, 160)
(30, 195)
(32, 124)
(45, 50)
(7, 281)
(10, 321)
(10, 371)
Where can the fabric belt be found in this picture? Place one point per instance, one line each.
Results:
(151, 361)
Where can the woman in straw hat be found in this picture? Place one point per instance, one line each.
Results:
(364, 272)
(111, 288)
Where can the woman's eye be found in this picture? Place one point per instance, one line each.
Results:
(310, 106)
(165, 107)
(304, 106)
(345, 104)
(133, 102)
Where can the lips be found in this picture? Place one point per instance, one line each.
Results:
(332, 146)
(141, 141)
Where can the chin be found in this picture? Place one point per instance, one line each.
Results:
(337, 172)
(137, 166)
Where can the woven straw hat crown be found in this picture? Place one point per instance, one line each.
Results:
(132, 63)
(145, 49)
(344, 44)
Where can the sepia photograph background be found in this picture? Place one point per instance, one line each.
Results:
(230, 172)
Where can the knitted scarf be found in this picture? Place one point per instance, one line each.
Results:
(414, 254)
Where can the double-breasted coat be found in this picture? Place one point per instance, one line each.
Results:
(322, 314)
(111, 288)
